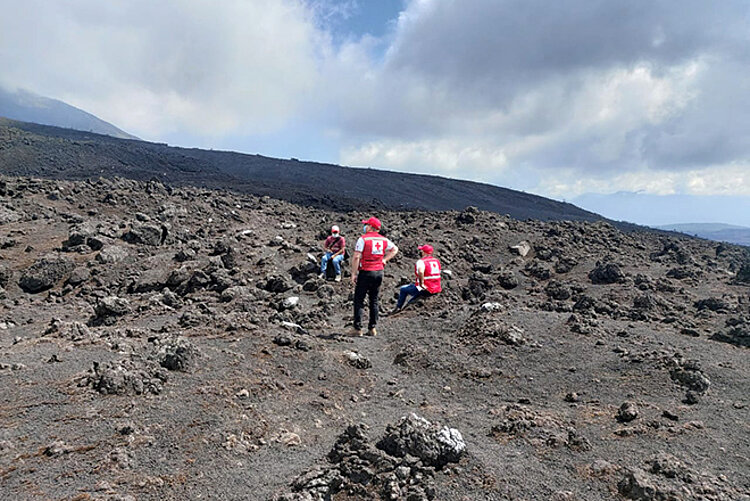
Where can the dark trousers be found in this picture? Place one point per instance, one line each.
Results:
(410, 290)
(368, 283)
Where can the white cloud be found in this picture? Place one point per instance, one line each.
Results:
(630, 96)
(158, 67)
(732, 179)
(555, 98)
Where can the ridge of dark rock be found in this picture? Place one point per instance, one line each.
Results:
(43, 151)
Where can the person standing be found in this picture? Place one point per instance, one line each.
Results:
(427, 271)
(334, 248)
(371, 253)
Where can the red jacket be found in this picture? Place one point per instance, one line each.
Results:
(374, 251)
(431, 274)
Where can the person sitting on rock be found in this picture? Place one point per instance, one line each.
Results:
(427, 270)
(334, 247)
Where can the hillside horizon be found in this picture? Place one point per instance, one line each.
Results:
(39, 150)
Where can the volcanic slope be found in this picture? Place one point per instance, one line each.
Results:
(151, 347)
(28, 149)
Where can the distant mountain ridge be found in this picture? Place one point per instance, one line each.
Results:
(713, 231)
(29, 107)
(41, 151)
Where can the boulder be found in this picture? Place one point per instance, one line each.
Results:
(522, 248)
(713, 304)
(83, 234)
(507, 280)
(108, 309)
(558, 290)
(627, 412)
(737, 332)
(150, 280)
(5, 276)
(176, 353)
(78, 276)
(276, 284)
(418, 437)
(111, 254)
(146, 234)
(606, 273)
(45, 273)
(126, 377)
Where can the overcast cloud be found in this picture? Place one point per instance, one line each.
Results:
(557, 98)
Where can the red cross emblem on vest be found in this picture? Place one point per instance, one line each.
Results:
(377, 246)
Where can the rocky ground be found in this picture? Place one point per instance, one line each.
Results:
(160, 343)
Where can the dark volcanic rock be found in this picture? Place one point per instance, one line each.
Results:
(688, 373)
(108, 308)
(276, 284)
(176, 353)
(682, 272)
(627, 412)
(558, 290)
(83, 234)
(667, 478)
(150, 280)
(565, 264)
(485, 327)
(126, 377)
(478, 286)
(111, 254)
(468, 216)
(530, 376)
(45, 273)
(78, 276)
(401, 466)
(538, 270)
(606, 273)
(537, 427)
(416, 436)
(507, 280)
(712, 304)
(737, 332)
(5, 276)
(146, 234)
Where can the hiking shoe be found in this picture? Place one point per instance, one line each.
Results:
(372, 331)
(353, 332)
(338, 277)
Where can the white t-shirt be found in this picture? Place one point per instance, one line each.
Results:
(420, 266)
(360, 245)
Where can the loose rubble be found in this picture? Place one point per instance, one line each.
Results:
(159, 340)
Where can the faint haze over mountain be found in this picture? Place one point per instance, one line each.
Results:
(662, 210)
(29, 107)
(713, 231)
(554, 98)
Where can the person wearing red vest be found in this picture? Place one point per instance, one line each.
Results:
(427, 271)
(371, 252)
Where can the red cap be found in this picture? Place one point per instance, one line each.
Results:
(373, 221)
(427, 248)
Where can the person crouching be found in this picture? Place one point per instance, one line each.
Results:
(427, 270)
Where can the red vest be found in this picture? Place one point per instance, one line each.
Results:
(372, 254)
(431, 274)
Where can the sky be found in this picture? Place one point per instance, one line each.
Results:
(562, 99)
